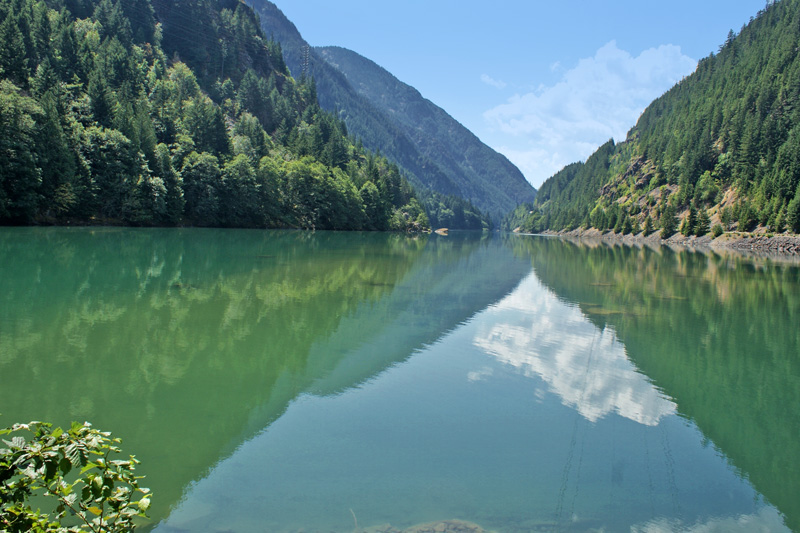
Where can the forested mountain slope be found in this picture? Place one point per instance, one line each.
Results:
(719, 151)
(174, 112)
(392, 117)
(487, 178)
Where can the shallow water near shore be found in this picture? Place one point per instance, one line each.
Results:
(289, 381)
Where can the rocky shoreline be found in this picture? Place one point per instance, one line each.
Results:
(763, 244)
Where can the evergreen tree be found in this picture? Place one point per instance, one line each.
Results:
(648, 226)
(115, 168)
(201, 177)
(669, 221)
(13, 56)
(204, 122)
(56, 160)
(689, 223)
(703, 224)
(373, 205)
(101, 99)
(254, 96)
(20, 178)
(238, 194)
(627, 225)
(45, 78)
(793, 212)
(114, 23)
(65, 52)
(173, 186)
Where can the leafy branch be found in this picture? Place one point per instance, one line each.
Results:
(73, 467)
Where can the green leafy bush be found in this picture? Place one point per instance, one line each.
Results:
(70, 470)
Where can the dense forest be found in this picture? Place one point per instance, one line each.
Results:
(178, 112)
(718, 152)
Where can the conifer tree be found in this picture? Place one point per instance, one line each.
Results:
(13, 60)
(688, 225)
(669, 221)
(703, 224)
(793, 212)
(19, 176)
(173, 185)
(648, 226)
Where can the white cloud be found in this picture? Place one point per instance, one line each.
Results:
(766, 519)
(600, 98)
(497, 84)
(480, 375)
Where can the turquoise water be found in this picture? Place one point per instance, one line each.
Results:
(287, 381)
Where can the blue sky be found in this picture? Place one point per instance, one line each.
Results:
(544, 83)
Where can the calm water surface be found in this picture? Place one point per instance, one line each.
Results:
(287, 381)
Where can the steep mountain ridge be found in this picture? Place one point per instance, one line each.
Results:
(392, 117)
(720, 151)
(477, 170)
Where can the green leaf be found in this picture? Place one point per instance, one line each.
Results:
(97, 486)
(65, 465)
(51, 469)
(144, 504)
(73, 454)
(95, 511)
(70, 499)
(89, 466)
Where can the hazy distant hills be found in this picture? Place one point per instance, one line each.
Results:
(390, 116)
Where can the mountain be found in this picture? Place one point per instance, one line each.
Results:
(177, 112)
(719, 151)
(388, 115)
(478, 171)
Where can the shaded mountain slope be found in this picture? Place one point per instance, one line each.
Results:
(392, 117)
(482, 175)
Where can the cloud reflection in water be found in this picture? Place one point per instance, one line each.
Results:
(587, 368)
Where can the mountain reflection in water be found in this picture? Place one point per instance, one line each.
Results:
(288, 381)
(530, 416)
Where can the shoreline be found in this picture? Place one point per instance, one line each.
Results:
(761, 244)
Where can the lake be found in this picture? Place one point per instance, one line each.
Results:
(316, 382)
